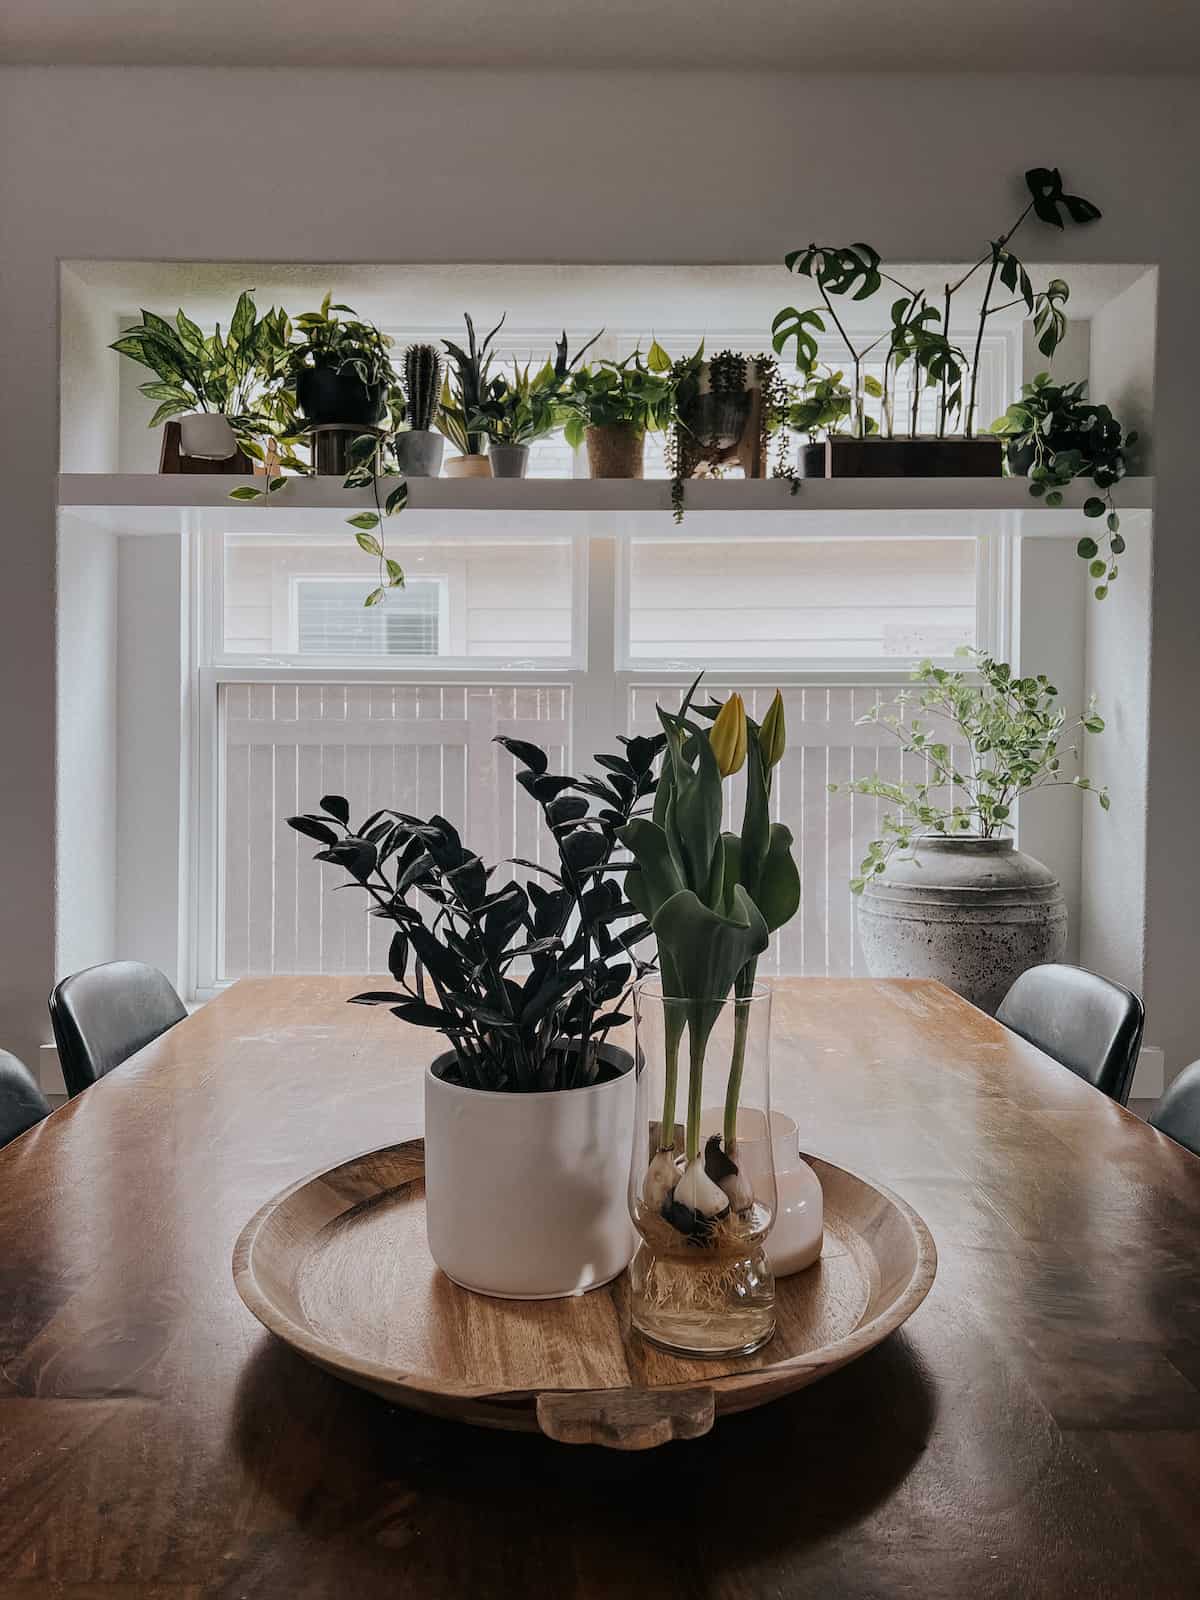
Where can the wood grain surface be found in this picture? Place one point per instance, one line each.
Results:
(1034, 1429)
(338, 1267)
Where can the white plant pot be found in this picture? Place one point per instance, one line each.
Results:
(973, 913)
(207, 435)
(525, 1194)
(798, 1230)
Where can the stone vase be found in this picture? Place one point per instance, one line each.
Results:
(973, 913)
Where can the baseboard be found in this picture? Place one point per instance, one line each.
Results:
(1149, 1076)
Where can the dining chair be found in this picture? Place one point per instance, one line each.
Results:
(1178, 1112)
(102, 1015)
(1087, 1023)
(22, 1103)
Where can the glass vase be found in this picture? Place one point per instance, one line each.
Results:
(700, 1283)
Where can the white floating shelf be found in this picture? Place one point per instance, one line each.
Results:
(553, 508)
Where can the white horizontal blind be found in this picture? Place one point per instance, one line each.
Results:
(419, 748)
(331, 619)
(832, 831)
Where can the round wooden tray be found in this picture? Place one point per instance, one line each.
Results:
(337, 1266)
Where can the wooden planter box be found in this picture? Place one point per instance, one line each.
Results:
(902, 458)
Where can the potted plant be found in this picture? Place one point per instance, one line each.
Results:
(1054, 434)
(703, 1203)
(219, 386)
(612, 405)
(529, 1111)
(417, 448)
(514, 412)
(918, 342)
(341, 371)
(727, 411)
(461, 399)
(820, 410)
(945, 893)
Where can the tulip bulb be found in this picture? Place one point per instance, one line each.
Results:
(662, 1175)
(699, 1193)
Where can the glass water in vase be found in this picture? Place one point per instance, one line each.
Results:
(700, 1281)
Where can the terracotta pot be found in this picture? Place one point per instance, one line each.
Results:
(973, 913)
(467, 467)
(526, 1193)
(616, 450)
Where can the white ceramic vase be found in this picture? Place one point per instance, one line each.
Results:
(794, 1241)
(207, 435)
(525, 1194)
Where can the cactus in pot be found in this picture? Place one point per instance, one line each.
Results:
(418, 448)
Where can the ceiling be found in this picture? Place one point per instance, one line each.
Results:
(1052, 36)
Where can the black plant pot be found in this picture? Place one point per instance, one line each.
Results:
(716, 420)
(326, 396)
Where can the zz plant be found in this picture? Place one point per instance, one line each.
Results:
(524, 980)
(1013, 731)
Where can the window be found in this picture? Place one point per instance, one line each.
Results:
(564, 635)
(331, 620)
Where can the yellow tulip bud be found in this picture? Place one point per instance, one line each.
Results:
(728, 735)
(772, 738)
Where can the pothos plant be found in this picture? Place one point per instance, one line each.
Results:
(919, 334)
(984, 736)
(713, 900)
(637, 391)
(1054, 434)
(524, 980)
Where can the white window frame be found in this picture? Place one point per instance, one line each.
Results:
(596, 673)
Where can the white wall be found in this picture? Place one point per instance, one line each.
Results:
(120, 163)
(87, 732)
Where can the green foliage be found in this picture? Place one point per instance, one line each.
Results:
(920, 333)
(637, 391)
(523, 408)
(825, 403)
(1055, 434)
(334, 338)
(1013, 729)
(510, 974)
(237, 374)
(463, 396)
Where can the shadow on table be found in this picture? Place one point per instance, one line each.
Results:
(356, 1478)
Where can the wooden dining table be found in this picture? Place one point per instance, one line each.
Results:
(1034, 1429)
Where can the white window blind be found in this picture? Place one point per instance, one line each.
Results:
(331, 619)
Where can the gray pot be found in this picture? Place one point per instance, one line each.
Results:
(419, 453)
(508, 460)
(973, 913)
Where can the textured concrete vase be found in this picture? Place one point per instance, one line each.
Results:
(973, 913)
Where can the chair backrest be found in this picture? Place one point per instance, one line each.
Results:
(1084, 1021)
(103, 1015)
(1178, 1112)
(22, 1103)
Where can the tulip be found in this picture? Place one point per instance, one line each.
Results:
(772, 738)
(728, 736)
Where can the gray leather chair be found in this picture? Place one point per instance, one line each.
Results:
(1178, 1112)
(1086, 1022)
(102, 1015)
(22, 1103)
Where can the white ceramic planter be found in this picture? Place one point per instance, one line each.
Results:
(794, 1241)
(973, 913)
(207, 435)
(526, 1193)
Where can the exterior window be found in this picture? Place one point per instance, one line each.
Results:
(331, 619)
